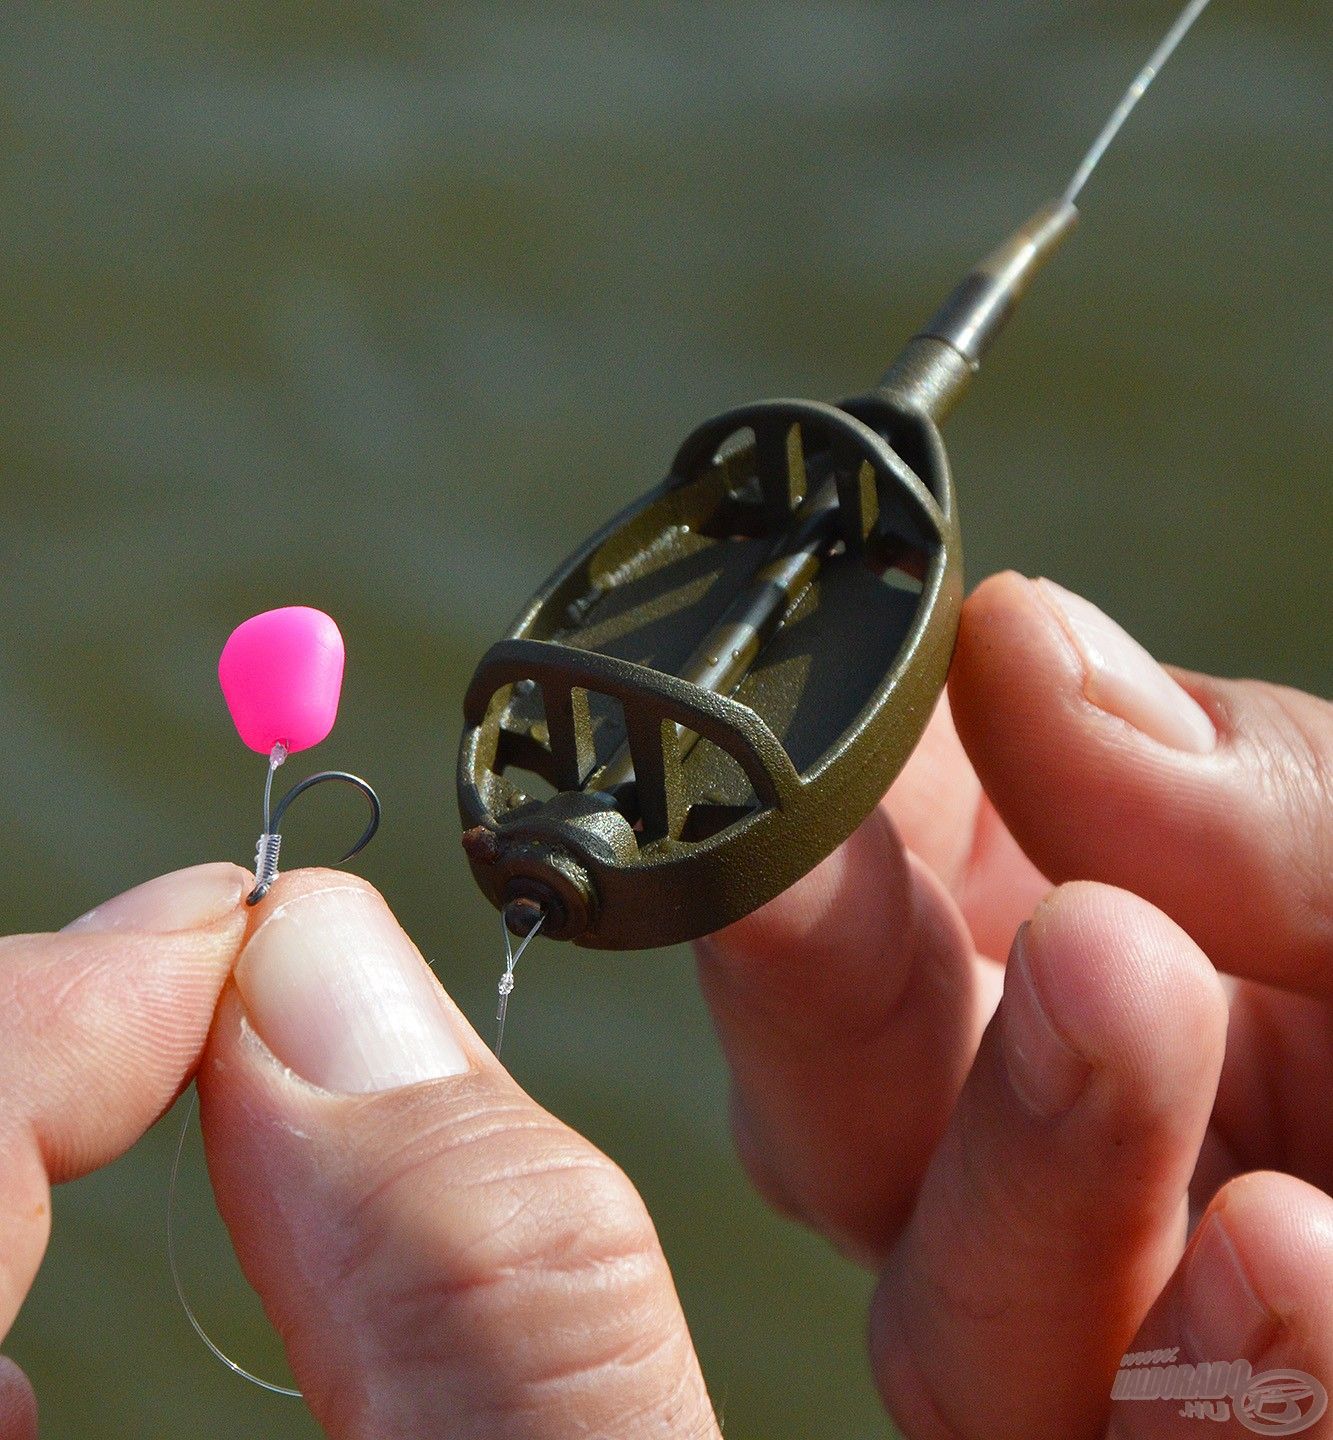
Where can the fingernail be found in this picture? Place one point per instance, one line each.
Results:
(341, 996)
(1120, 677)
(184, 900)
(1047, 1075)
(1223, 1317)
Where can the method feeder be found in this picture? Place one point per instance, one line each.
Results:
(721, 684)
(715, 689)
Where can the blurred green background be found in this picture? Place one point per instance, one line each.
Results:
(380, 307)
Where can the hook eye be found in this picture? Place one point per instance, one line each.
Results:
(280, 809)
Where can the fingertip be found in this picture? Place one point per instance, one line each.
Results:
(1281, 1229)
(106, 1020)
(293, 884)
(988, 611)
(18, 1403)
(1128, 990)
(200, 897)
(1014, 674)
(342, 995)
(1002, 620)
(1032, 653)
(846, 903)
(1256, 1283)
(994, 588)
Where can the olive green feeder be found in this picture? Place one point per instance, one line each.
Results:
(715, 689)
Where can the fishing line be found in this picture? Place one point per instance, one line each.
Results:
(270, 1385)
(1132, 96)
(506, 985)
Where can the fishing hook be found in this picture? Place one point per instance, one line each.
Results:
(270, 842)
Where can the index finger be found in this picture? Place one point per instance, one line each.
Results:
(849, 1009)
(947, 820)
(100, 1027)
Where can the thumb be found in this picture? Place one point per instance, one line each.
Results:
(439, 1254)
(1211, 798)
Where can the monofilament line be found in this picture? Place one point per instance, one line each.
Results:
(277, 756)
(1132, 96)
(506, 986)
(194, 1320)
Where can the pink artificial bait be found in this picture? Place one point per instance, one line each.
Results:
(281, 675)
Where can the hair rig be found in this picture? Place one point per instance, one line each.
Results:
(281, 674)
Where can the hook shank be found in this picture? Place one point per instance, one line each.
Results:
(264, 880)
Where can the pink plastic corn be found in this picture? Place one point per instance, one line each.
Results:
(281, 674)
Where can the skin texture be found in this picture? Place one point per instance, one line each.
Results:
(1047, 1045)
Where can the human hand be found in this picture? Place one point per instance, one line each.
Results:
(1024, 1179)
(441, 1256)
